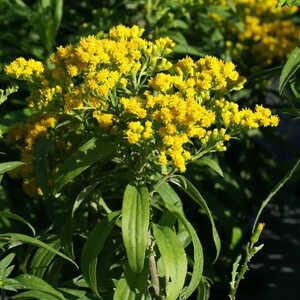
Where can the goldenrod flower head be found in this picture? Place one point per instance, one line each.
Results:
(163, 112)
(104, 120)
(24, 69)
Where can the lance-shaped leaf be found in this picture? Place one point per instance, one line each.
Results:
(10, 215)
(35, 295)
(37, 284)
(174, 259)
(94, 150)
(192, 191)
(133, 285)
(8, 166)
(209, 162)
(169, 203)
(274, 191)
(289, 69)
(123, 291)
(33, 241)
(4, 263)
(42, 259)
(135, 223)
(92, 248)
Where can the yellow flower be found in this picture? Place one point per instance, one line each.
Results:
(104, 120)
(167, 115)
(24, 69)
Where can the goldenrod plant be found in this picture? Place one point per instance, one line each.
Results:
(114, 116)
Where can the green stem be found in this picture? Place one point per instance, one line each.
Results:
(242, 272)
(164, 179)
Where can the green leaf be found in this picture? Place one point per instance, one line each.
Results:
(77, 293)
(184, 238)
(123, 291)
(58, 13)
(20, 8)
(4, 263)
(234, 272)
(40, 163)
(35, 295)
(66, 236)
(5, 93)
(293, 112)
(188, 50)
(10, 215)
(198, 258)
(182, 46)
(93, 247)
(236, 237)
(274, 191)
(174, 259)
(11, 284)
(203, 290)
(206, 161)
(37, 284)
(289, 69)
(66, 232)
(198, 251)
(135, 223)
(133, 286)
(82, 196)
(178, 23)
(8, 270)
(8, 166)
(197, 197)
(42, 259)
(33, 241)
(95, 149)
(169, 195)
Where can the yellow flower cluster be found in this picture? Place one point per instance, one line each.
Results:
(184, 106)
(24, 69)
(232, 116)
(266, 33)
(272, 40)
(101, 65)
(123, 85)
(26, 135)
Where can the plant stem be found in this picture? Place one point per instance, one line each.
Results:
(154, 274)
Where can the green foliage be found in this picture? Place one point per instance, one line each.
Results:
(171, 204)
(11, 238)
(7, 283)
(289, 69)
(5, 93)
(135, 223)
(93, 247)
(174, 260)
(87, 154)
